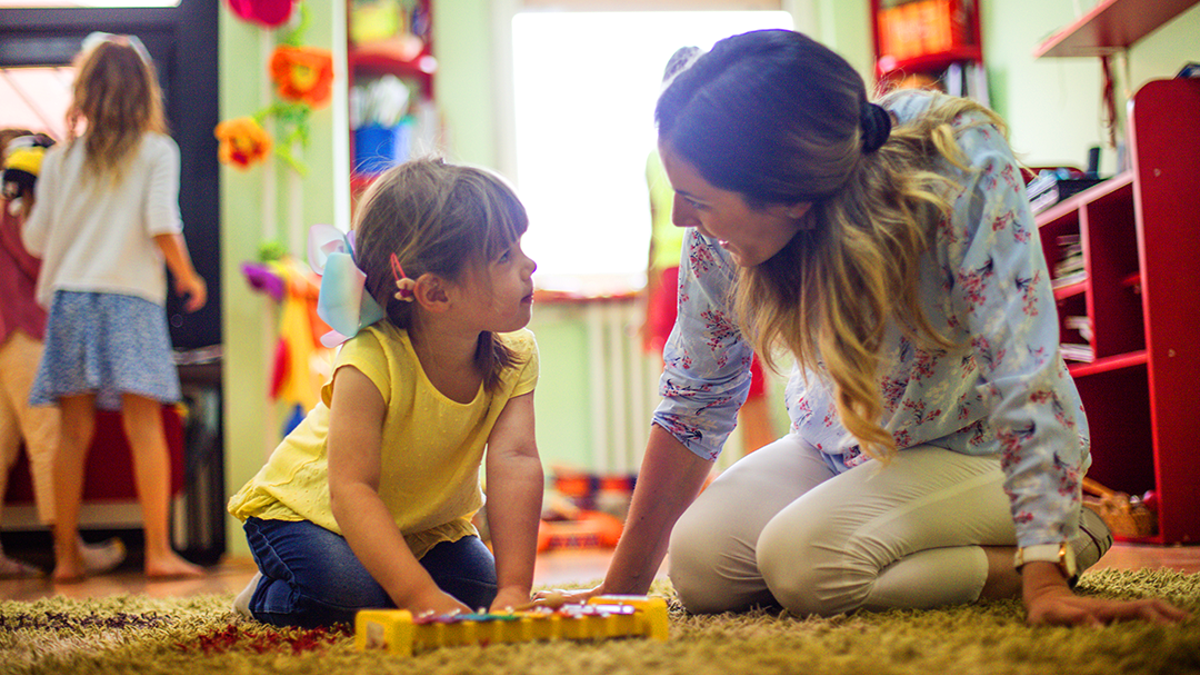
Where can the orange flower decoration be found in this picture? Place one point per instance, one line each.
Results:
(243, 142)
(303, 74)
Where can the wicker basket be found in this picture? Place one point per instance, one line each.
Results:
(1126, 516)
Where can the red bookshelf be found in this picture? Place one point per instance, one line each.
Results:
(407, 56)
(1112, 26)
(1140, 237)
(924, 37)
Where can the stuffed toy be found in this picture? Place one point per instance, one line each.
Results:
(22, 163)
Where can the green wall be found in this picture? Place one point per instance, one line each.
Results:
(1052, 106)
(269, 202)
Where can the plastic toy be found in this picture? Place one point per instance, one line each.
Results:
(602, 618)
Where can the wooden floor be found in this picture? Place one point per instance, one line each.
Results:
(553, 568)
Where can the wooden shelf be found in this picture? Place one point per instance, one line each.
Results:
(1095, 193)
(1112, 26)
(1138, 236)
(1098, 366)
(393, 56)
(888, 65)
(1070, 290)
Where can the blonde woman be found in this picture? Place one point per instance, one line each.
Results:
(937, 441)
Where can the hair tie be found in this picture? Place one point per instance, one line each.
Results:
(681, 60)
(876, 126)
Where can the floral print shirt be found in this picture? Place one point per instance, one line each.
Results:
(1005, 389)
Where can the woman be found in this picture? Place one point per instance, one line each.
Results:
(937, 437)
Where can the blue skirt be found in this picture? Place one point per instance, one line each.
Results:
(108, 345)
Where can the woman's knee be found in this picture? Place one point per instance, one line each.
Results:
(810, 570)
(711, 564)
(692, 561)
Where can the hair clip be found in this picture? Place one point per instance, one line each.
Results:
(404, 285)
(96, 37)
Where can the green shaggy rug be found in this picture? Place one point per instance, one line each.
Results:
(202, 636)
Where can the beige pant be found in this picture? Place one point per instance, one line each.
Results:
(779, 527)
(38, 427)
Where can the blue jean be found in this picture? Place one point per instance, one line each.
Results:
(310, 577)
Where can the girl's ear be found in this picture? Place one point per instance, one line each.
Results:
(430, 293)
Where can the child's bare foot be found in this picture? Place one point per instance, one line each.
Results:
(68, 566)
(171, 566)
(68, 572)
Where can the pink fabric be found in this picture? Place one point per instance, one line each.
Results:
(18, 279)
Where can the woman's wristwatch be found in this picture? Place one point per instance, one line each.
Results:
(1060, 554)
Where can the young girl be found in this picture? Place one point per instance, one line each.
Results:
(106, 216)
(937, 439)
(368, 502)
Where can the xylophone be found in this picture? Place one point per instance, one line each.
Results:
(602, 618)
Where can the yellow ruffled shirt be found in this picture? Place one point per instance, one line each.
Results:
(431, 453)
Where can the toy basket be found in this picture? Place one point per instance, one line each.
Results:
(1126, 516)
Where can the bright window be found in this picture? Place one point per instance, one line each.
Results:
(36, 98)
(585, 88)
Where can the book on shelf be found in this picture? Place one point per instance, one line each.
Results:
(1080, 324)
(1069, 268)
(1078, 352)
(1064, 281)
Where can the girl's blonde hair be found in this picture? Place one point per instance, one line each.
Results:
(777, 118)
(117, 99)
(441, 219)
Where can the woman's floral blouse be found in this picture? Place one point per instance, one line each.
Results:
(985, 285)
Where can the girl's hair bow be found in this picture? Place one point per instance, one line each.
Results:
(343, 303)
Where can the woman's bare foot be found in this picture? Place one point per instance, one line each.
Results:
(171, 566)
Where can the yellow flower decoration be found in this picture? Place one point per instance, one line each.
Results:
(303, 74)
(243, 142)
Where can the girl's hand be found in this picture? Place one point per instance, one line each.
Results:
(509, 599)
(195, 289)
(1048, 600)
(438, 602)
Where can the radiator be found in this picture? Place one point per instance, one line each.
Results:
(624, 384)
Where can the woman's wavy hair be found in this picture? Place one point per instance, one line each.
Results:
(442, 219)
(776, 117)
(116, 99)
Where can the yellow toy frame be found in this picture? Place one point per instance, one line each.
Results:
(603, 617)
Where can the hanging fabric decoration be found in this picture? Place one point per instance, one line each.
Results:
(303, 74)
(269, 13)
(244, 142)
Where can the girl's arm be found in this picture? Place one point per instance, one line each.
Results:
(187, 282)
(355, 441)
(515, 484)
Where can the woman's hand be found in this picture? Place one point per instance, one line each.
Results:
(558, 597)
(1048, 600)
